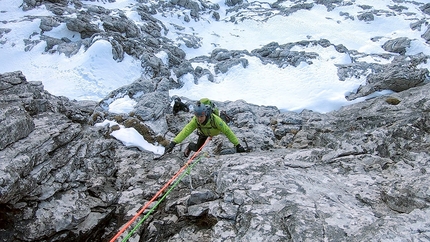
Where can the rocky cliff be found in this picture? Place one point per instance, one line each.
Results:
(356, 174)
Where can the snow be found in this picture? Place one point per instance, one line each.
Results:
(122, 105)
(131, 138)
(92, 74)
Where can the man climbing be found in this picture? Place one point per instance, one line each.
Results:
(179, 106)
(208, 124)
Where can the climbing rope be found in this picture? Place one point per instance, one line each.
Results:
(157, 195)
(162, 198)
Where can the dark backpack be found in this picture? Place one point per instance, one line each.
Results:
(224, 116)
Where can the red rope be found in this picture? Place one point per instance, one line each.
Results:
(159, 192)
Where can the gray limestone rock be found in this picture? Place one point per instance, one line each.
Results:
(356, 174)
(401, 74)
(16, 123)
(398, 45)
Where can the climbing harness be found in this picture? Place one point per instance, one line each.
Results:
(189, 162)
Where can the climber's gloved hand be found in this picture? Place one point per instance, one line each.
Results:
(170, 147)
(240, 149)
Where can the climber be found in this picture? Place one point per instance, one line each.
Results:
(208, 124)
(179, 106)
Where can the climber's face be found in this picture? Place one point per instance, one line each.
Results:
(201, 119)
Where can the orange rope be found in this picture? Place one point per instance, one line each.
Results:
(159, 192)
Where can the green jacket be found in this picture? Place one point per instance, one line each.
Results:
(214, 126)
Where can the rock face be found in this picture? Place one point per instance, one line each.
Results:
(401, 74)
(359, 173)
(356, 174)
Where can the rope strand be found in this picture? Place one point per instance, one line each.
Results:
(162, 198)
(159, 192)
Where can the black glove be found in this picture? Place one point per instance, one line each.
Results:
(240, 149)
(170, 147)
